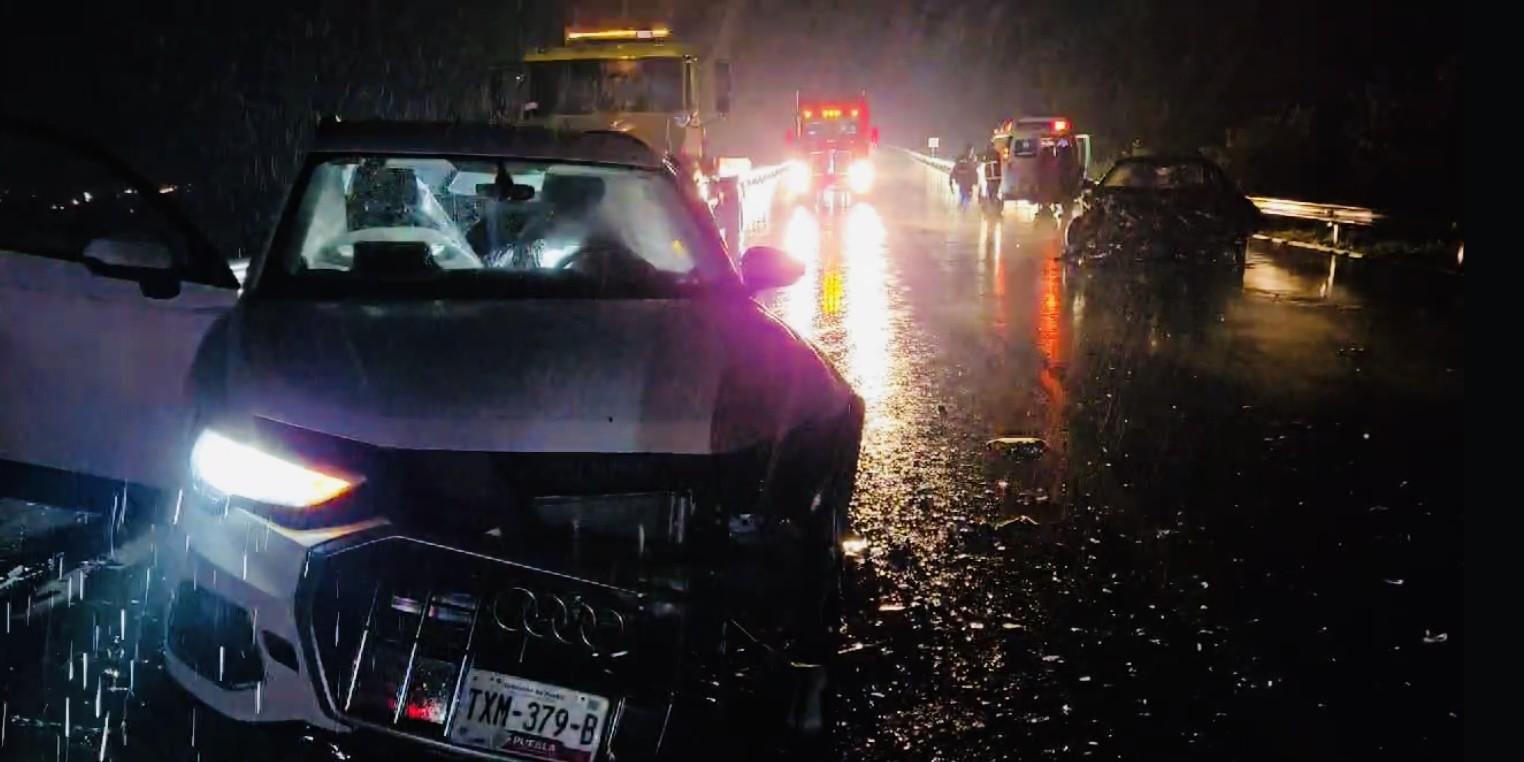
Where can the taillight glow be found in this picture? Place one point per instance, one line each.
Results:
(1060, 125)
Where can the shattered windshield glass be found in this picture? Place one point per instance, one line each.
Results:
(405, 221)
(1162, 175)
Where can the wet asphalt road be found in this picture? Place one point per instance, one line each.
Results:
(1241, 539)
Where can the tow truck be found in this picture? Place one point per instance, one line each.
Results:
(831, 146)
(1045, 161)
(630, 74)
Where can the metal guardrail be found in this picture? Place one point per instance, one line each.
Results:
(1332, 214)
(757, 176)
(931, 161)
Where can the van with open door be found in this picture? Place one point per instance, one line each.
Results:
(1045, 161)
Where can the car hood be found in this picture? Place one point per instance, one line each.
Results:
(673, 376)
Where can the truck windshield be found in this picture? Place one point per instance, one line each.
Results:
(828, 129)
(592, 86)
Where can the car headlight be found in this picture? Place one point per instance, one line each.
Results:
(239, 470)
(860, 176)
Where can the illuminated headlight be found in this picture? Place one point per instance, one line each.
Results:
(239, 470)
(860, 176)
(799, 176)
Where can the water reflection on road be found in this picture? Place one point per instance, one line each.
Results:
(1154, 576)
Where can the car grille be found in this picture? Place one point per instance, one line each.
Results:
(396, 623)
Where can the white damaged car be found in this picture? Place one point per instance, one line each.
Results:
(494, 451)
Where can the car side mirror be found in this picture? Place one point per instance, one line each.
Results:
(765, 267)
(722, 87)
(150, 263)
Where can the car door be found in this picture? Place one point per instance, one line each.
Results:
(105, 293)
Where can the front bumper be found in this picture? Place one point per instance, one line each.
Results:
(390, 653)
(374, 626)
(378, 630)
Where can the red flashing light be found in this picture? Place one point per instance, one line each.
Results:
(1060, 125)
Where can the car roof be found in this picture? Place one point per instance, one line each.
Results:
(481, 139)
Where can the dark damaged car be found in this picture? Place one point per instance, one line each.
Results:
(496, 453)
(1154, 209)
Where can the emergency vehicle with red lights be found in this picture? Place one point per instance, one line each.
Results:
(1044, 161)
(831, 145)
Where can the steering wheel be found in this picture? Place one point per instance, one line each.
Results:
(594, 249)
(453, 254)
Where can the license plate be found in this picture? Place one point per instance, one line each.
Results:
(524, 718)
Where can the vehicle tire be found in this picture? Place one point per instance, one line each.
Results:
(1079, 238)
(812, 687)
(1238, 254)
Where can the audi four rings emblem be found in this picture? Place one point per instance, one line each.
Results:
(567, 619)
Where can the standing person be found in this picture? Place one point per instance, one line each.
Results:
(989, 163)
(964, 175)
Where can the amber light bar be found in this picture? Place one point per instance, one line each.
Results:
(829, 113)
(657, 33)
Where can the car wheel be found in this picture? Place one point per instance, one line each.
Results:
(812, 685)
(1078, 239)
(812, 680)
(1238, 256)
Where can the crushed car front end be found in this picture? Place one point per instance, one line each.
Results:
(1138, 228)
(474, 601)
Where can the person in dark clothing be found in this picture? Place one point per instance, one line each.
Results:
(964, 175)
(990, 170)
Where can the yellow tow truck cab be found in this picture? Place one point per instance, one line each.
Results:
(632, 78)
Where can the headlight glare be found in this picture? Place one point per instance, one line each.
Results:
(240, 470)
(799, 177)
(860, 176)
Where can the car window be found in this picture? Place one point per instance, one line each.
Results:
(1162, 176)
(55, 200)
(399, 221)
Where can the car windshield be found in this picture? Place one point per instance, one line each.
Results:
(641, 85)
(1154, 175)
(495, 228)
